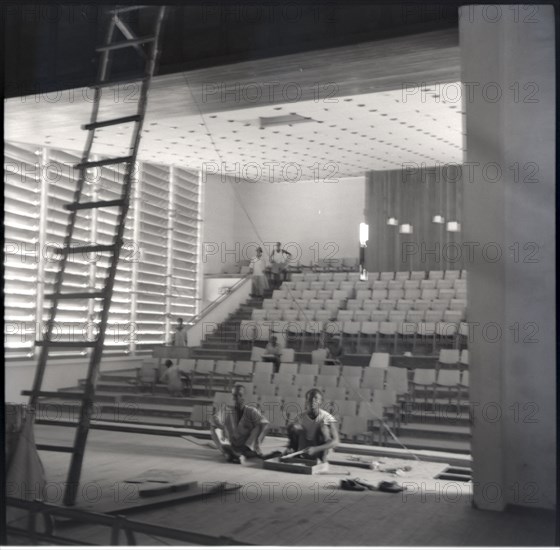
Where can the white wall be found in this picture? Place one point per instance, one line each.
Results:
(320, 220)
(218, 213)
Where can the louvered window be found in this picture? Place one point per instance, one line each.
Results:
(158, 272)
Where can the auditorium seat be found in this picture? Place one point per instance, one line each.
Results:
(306, 315)
(258, 314)
(396, 316)
(374, 378)
(423, 379)
(379, 315)
(317, 285)
(379, 360)
(396, 294)
(425, 334)
(402, 275)
(368, 333)
(417, 275)
(448, 356)
(429, 294)
(435, 275)
(421, 305)
(290, 315)
(335, 394)
(413, 316)
(387, 336)
(446, 293)
(431, 316)
(304, 381)
(387, 305)
(354, 304)
(344, 315)
(379, 294)
(397, 284)
(330, 286)
(411, 284)
(380, 285)
(397, 379)
(243, 369)
(361, 316)
(326, 381)
(355, 428)
(452, 274)
(351, 332)
(444, 284)
(387, 275)
(274, 315)
(412, 293)
(323, 315)
(370, 304)
(330, 370)
(448, 380)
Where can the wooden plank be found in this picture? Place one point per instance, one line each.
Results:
(295, 466)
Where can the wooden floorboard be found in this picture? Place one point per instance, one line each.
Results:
(276, 508)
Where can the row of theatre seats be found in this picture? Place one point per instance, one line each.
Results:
(342, 294)
(395, 312)
(381, 276)
(361, 398)
(378, 336)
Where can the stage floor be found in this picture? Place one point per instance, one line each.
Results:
(277, 508)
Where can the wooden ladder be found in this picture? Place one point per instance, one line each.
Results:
(147, 47)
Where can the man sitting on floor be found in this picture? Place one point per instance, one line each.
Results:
(238, 431)
(314, 429)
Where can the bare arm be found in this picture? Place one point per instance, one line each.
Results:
(330, 433)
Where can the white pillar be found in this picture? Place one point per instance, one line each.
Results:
(508, 73)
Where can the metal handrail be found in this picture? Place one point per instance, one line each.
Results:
(117, 523)
(217, 301)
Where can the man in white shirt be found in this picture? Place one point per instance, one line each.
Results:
(180, 335)
(314, 429)
(257, 268)
(279, 259)
(238, 431)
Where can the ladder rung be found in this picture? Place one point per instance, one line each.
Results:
(104, 162)
(126, 43)
(95, 204)
(82, 344)
(125, 9)
(112, 122)
(118, 82)
(76, 295)
(60, 394)
(87, 249)
(55, 448)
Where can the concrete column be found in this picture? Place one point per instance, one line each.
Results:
(508, 74)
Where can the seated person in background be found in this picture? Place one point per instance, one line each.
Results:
(314, 429)
(273, 352)
(172, 376)
(238, 431)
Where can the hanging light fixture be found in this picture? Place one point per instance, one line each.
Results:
(453, 227)
(438, 218)
(406, 228)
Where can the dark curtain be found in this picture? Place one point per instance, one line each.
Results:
(414, 196)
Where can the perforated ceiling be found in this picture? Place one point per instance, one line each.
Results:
(346, 137)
